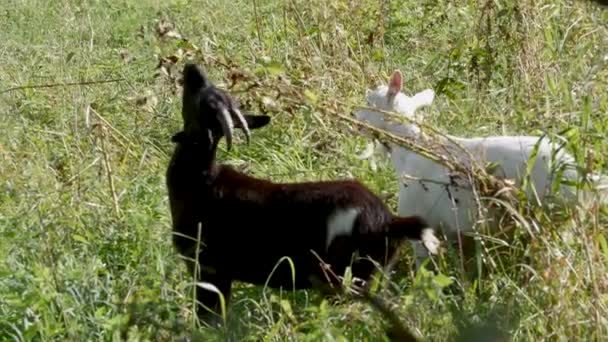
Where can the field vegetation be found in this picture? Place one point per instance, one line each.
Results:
(90, 96)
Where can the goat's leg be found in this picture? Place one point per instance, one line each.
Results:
(209, 308)
(420, 253)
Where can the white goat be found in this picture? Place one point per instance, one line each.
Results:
(434, 194)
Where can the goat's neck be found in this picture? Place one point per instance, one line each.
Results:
(194, 155)
(408, 132)
(440, 144)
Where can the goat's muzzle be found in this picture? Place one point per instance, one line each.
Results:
(226, 112)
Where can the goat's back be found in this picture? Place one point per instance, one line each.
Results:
(251, 223)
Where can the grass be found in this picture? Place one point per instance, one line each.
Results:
(85, 247)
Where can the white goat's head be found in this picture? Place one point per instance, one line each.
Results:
(390, 98)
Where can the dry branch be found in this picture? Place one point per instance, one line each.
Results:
(65, 84)
(397, 331)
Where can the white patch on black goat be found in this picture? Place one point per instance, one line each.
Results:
(340, 222)
(430, 241)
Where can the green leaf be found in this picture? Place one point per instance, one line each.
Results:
(348, 277)
(531, 162)
(80, 238)
(101, 312)
(187, 45)
(407, 300)
(69, 57)
(601, 239)
(491, 167)
(377, 55)
(275, 68)
(323, 309)
(291, 266)
(442, 281)
(312, 97)
(116, 322)
(374, 286)
(212, 288)
(287, 309)
(431, 294)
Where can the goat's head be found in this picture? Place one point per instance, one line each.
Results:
(208, 110)
(390, 98)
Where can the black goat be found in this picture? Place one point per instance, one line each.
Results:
(249, 224)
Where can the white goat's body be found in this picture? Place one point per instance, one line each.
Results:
(426, 187)
(452, 206)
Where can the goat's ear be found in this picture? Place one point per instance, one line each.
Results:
(394, 84)
(255, 121)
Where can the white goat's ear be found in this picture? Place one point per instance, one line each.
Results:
(394, 84)
(423, 98)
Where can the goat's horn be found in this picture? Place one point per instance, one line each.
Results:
(242, 122)
(227, 125)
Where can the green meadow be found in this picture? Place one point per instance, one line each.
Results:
(90, 97)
